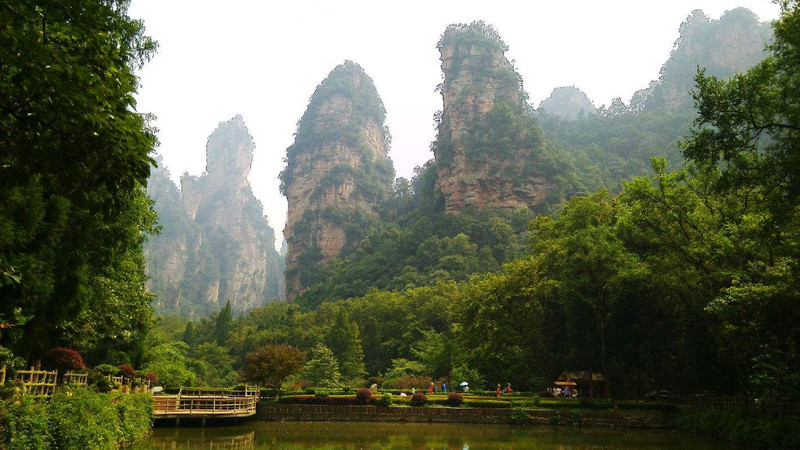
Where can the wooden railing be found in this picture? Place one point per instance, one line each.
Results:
(76, 378)
(248, 391)
(207, 402)
(39, 383)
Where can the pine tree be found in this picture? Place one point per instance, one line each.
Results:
(322, 370)
(344, 340)
(222, 327)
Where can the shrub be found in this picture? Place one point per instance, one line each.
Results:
(385, 400)
(419, 399)
(455, 399)
(83, 420)
(152, 378)
(126, 370)
(364, 396)
(63, 358)
(106, 370)
(135, 414)
(23, 424)
(518, 416)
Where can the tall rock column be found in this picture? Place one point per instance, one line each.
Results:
(488, 150)
(337, 172)
(215, 244)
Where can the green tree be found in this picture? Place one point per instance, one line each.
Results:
(322, 369)
(344, 340)
(214, 365)
(223, 324)
(751, 121)
(170, 361)
(74, 159)
(589, 268)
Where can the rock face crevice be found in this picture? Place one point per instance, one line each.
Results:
(488, 148)
(337, 172)
(216, 244)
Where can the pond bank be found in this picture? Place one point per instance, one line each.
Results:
(359, 413)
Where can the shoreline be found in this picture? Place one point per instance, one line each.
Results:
(500, 416)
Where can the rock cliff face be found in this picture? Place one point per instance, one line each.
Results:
(337, 172)
(488, 147)
(215, 243)
(567, 102)
(723, 47)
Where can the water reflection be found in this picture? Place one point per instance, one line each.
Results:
(366, 435)
(205, 438)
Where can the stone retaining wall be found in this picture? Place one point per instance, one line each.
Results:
(279, 412)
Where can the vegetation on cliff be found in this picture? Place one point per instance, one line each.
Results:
(215, 243)
(617, 143)
(337, 172)
(489, 151)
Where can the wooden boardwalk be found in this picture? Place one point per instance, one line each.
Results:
(206, 403)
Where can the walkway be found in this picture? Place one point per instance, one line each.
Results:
(202, 404)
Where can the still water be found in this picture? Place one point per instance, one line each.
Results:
(356, 435)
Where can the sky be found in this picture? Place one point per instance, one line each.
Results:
(263, 60)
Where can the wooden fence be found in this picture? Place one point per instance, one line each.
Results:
(76, 378)
(38, 383)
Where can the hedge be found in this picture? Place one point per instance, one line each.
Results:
(78, 419)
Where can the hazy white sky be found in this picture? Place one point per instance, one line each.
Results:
(263, 60)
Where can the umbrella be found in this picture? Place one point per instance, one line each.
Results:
(464, 383)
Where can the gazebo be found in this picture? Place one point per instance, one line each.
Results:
(588, 383)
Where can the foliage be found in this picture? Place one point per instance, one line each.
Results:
(743, 427)
(83, 420)
(135, 416)
(364, 396)
(107, 369)
(385, 400)
(74, 160)
(126, 370)
(419, 399)
(213, 365)
(271, 364)
(152, 378)
(344, 341)
(455, 399)
(24, 424)
(223, 324)
(170, 362)
(519, 416)
(322, 369)
(65, 359)
(77, 418)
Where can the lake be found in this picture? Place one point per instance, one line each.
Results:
(380, 435)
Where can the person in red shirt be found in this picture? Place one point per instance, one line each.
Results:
(499, 391)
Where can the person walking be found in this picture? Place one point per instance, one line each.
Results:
(499, 391)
